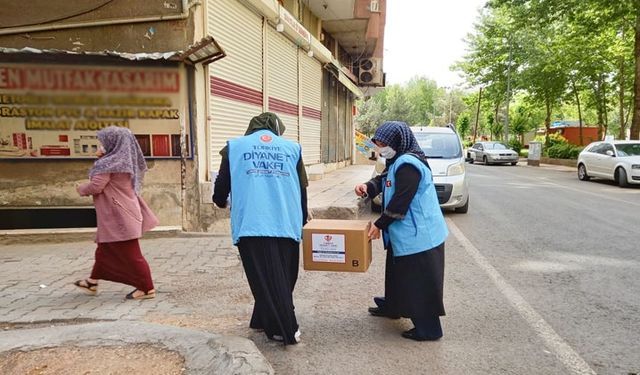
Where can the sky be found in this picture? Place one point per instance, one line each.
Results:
(425, 37)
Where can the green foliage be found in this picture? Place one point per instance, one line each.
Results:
(554, 139)
(563, 151)
(515, 145)
(467, 143)
(463, 125)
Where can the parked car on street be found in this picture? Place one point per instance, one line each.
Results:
(492, 153)
(618, 161)
(443, 148)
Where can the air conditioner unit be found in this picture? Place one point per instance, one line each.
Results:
(370, 72)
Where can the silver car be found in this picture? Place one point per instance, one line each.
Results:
(443, 148)
(612, 160)
(492, 153)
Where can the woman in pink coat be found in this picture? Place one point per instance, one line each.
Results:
(122, 215)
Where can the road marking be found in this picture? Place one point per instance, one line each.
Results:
(598, 195)
(565, 354)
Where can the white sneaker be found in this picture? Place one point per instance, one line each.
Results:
(295, 335)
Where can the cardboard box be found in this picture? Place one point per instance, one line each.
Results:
(336, 245)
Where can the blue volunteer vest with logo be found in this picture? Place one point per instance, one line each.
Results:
(423, 227)
(265, 188)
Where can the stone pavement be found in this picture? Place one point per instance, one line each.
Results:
(194, 274)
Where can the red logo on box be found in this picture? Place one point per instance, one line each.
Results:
(328, 238)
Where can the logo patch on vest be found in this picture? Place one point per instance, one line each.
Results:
(388, 183)
(266, 138)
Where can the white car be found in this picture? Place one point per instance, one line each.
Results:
(443, 148)
(492, 153)
(612, 160)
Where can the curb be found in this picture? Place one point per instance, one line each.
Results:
(204, 353)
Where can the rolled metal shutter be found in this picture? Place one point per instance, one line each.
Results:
(235, 82)
(311, 101)
(282, 81)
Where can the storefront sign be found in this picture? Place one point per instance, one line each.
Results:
(55, 110)
(297, 30)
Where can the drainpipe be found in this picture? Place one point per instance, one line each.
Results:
(118, 21)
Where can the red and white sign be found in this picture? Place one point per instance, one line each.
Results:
(51, 110)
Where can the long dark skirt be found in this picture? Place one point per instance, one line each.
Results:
(414, 284)
(271, 265)
(122, 262)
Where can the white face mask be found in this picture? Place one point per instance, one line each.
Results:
(387, 152)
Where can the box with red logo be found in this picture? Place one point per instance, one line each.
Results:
(336, 245)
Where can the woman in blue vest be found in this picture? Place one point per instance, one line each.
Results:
(413, 230)
(266, 178)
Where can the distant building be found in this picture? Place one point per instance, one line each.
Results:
(570, 130)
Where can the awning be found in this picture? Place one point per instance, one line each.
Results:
(206, 51)
(342, 78)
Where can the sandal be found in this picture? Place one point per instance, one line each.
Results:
(87, 286)
(147, 295)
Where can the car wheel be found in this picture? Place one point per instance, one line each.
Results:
(462, 209)
(621, 177)
(470, 159)
(514, 163)
(582, 173)
(484, 160)
(375, 207)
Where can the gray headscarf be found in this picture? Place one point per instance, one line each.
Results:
(122, 155)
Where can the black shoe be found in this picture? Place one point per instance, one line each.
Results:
(376, 311)
(411, 334)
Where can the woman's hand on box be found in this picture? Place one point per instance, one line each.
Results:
(374, 232)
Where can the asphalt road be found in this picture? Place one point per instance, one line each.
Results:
(541, 278)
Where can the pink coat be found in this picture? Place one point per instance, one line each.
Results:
(122, 214)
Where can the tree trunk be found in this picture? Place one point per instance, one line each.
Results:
(495, 119)
(597, 92)
(547, 121)
(605, 110)
(635, 122)
(575, 91)
(475, 128)
(623, 123)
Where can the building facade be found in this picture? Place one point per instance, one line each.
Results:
(184, 77)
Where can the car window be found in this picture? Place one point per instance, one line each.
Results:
(595, 147)
(628, 149)
(605, 147)
(439, 145)
(496, 146)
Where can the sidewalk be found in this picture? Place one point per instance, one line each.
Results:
(198, 276)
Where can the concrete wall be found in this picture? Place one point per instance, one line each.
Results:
(53, 183)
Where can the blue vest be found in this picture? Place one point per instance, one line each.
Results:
(423, 227)
(265, 187)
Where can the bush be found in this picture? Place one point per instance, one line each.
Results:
(563, 151)
(515, 145)
(467, 144)
(554, 139)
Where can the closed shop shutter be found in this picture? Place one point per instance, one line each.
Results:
(282, 81)
(235, 81)
(311, 101)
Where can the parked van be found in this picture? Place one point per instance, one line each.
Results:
(445, 155)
